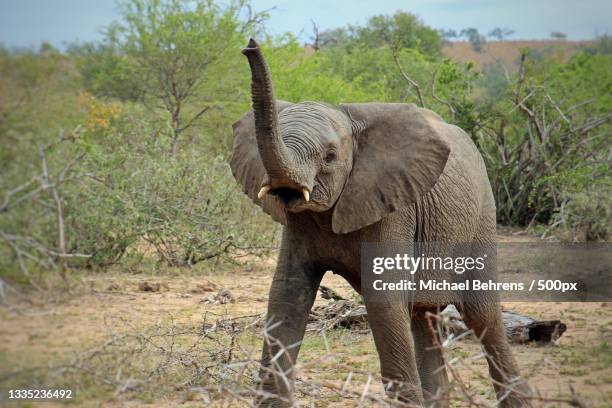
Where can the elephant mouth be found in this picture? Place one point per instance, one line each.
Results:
(289, 196)
(293, 199)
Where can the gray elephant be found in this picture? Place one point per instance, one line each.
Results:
(336, 177)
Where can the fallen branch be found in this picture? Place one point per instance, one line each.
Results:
(349, 314)
(520, 329)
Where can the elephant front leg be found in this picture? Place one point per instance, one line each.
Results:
(390, 324)
(292, 294)
(429, 357)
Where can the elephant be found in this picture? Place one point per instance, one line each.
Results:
(338, 176)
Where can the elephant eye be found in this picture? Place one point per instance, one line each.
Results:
(330, 157)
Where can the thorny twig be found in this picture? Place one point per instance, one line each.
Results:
(28, 248)
(211, 360)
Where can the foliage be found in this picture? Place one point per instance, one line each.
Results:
(403, 30)
(92, 137)
(493, 81)
(501, 33)
(163, 52)
(558, 35)
(603, 45)
(124, 193)
(33, 93)
(475, 39)
(586, 214)
(375, 72)
(186, 208)
(100, 114)
(299, 77)
(548, 138)
(448, 35)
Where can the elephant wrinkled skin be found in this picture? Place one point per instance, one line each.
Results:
(336, 177)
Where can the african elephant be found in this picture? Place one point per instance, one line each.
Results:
(336, 177)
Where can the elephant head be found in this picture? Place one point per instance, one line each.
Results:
(360, 161)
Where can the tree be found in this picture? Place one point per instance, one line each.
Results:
(558, 35)
(161, 53)
(602, 45)
(501, 33)
(448, 35)
(401, 30)
(299, 76)
(334, 37)
(475, 39)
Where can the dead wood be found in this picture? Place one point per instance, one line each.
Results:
(349, 314)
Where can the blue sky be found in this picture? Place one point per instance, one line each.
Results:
(25, 23)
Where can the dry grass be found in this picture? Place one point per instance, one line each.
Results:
(508, 52)
(119, 345)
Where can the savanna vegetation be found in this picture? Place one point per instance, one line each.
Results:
(121, 146)
(115, 153)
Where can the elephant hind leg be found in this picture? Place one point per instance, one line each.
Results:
(485, 320)
(430, 360)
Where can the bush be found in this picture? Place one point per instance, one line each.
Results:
(546, 140)
(586, 215)
(187, 207)
(121, 191)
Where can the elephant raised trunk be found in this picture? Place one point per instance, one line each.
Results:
(274, 154)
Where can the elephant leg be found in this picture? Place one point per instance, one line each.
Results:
(390, 324)
(429, 358)
(292, 294)
(485, 319)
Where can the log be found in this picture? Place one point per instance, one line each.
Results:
(520, 329)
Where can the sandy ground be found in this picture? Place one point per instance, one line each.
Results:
(46, 328)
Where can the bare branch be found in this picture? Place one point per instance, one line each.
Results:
(412, 83)
(195, 117)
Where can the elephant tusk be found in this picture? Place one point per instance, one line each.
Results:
(306, 194)
(264, 190)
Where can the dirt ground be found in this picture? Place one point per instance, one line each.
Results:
(45, 329)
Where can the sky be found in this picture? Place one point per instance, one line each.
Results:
(27, 23)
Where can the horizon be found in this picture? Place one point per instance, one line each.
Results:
(30, 23)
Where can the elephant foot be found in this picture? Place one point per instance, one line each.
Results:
(441, 401)
(516, 396)
(405, 392)
(271, 397)
(272, 403)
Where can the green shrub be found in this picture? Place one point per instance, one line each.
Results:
(587, 215)
(187, 208)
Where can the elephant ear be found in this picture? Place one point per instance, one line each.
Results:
(400, 155)
(248, 168)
